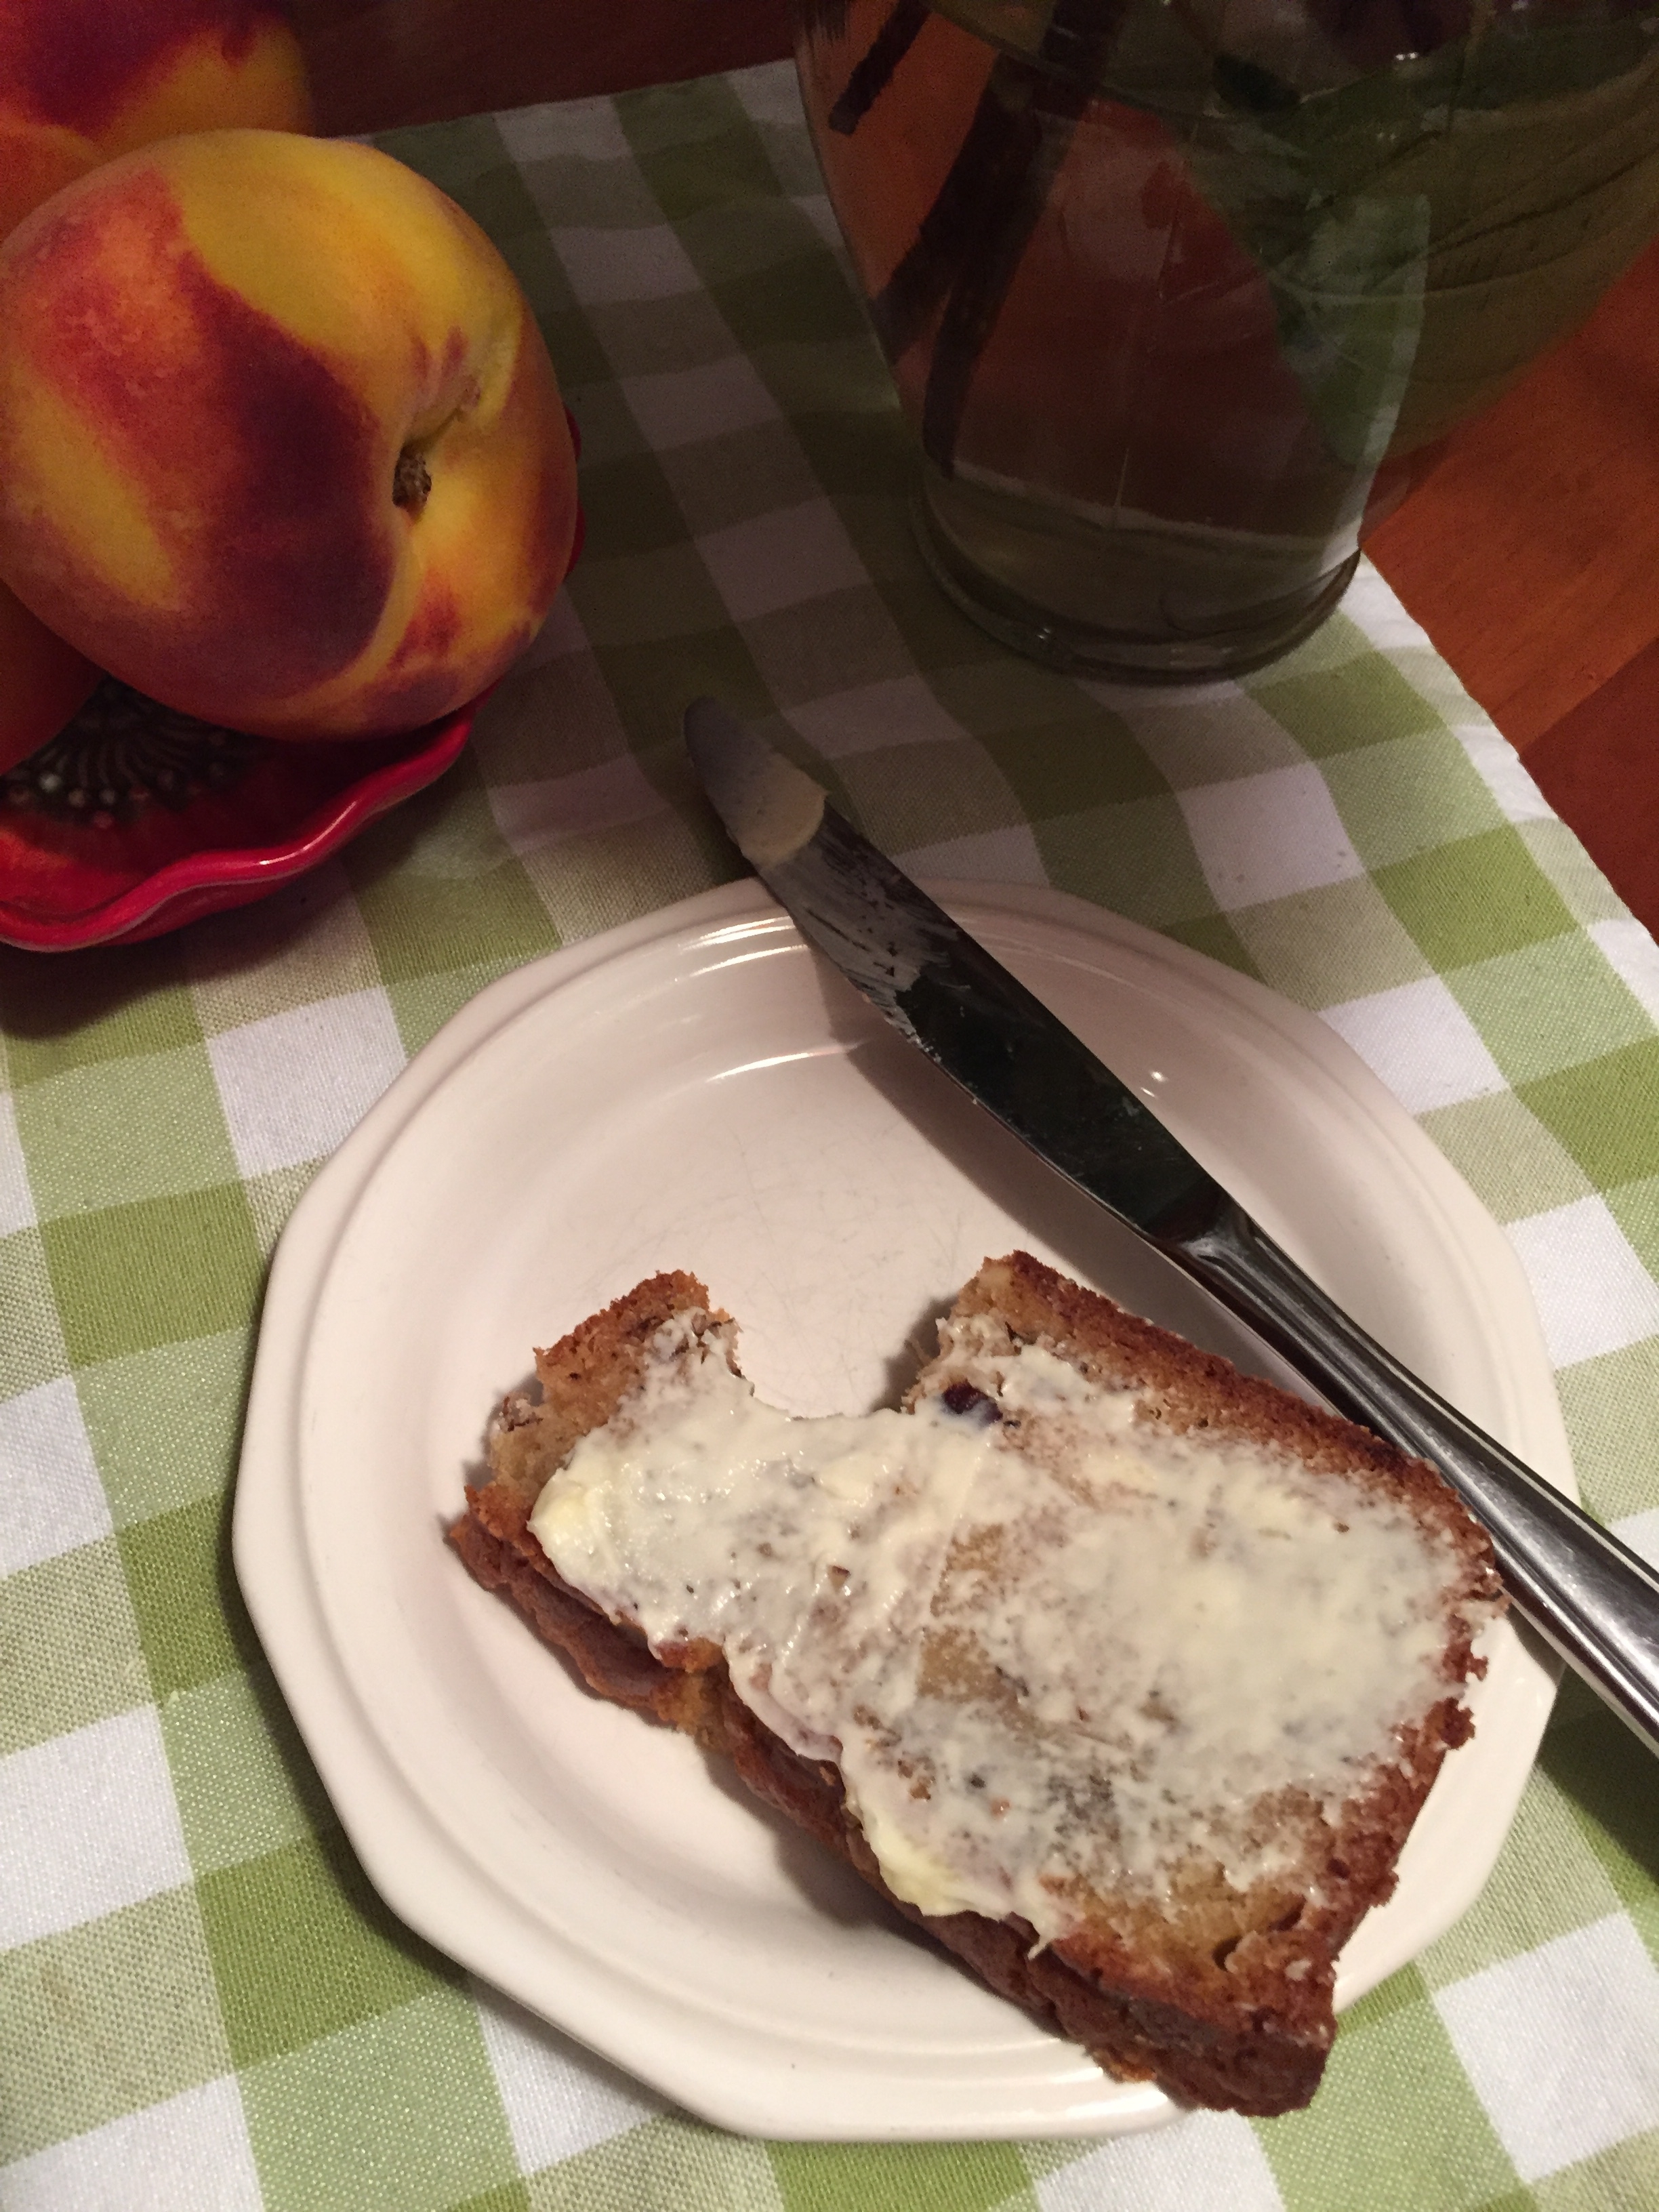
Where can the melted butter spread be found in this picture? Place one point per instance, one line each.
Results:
(1053, 1647)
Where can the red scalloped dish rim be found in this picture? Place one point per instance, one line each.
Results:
(223, 873)
(224, 876)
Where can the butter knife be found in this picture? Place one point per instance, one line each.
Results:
(1587, 1594)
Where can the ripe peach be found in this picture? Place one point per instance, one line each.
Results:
(81, 83)
(280, 443)
(84, 81)
(42, 682)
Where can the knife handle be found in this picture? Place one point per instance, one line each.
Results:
(1586, 1594)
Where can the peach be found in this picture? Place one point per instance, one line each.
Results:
(84, 81)
(42, 682)
(280, 442)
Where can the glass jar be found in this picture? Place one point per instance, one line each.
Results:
(1180, 296)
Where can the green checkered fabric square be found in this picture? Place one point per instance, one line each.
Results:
(202, 2001)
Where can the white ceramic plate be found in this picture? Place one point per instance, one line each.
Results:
(697, 1090)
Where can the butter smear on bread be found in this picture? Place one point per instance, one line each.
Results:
(1122, 1674)
(1056, 1648)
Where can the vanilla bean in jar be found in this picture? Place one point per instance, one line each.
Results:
(1180, 296)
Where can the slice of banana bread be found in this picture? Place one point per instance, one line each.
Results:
(1120, 1672)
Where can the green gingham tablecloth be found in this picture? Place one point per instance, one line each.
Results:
(202, 2004)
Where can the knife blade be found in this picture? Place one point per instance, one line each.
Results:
(1591, 1597)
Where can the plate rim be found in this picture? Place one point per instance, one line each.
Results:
(269, 1538)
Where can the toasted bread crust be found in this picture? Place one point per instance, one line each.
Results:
(1203, 2003)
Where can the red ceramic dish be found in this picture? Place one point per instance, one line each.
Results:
(63, 885)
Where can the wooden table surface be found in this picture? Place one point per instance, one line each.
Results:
(1531, 554)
